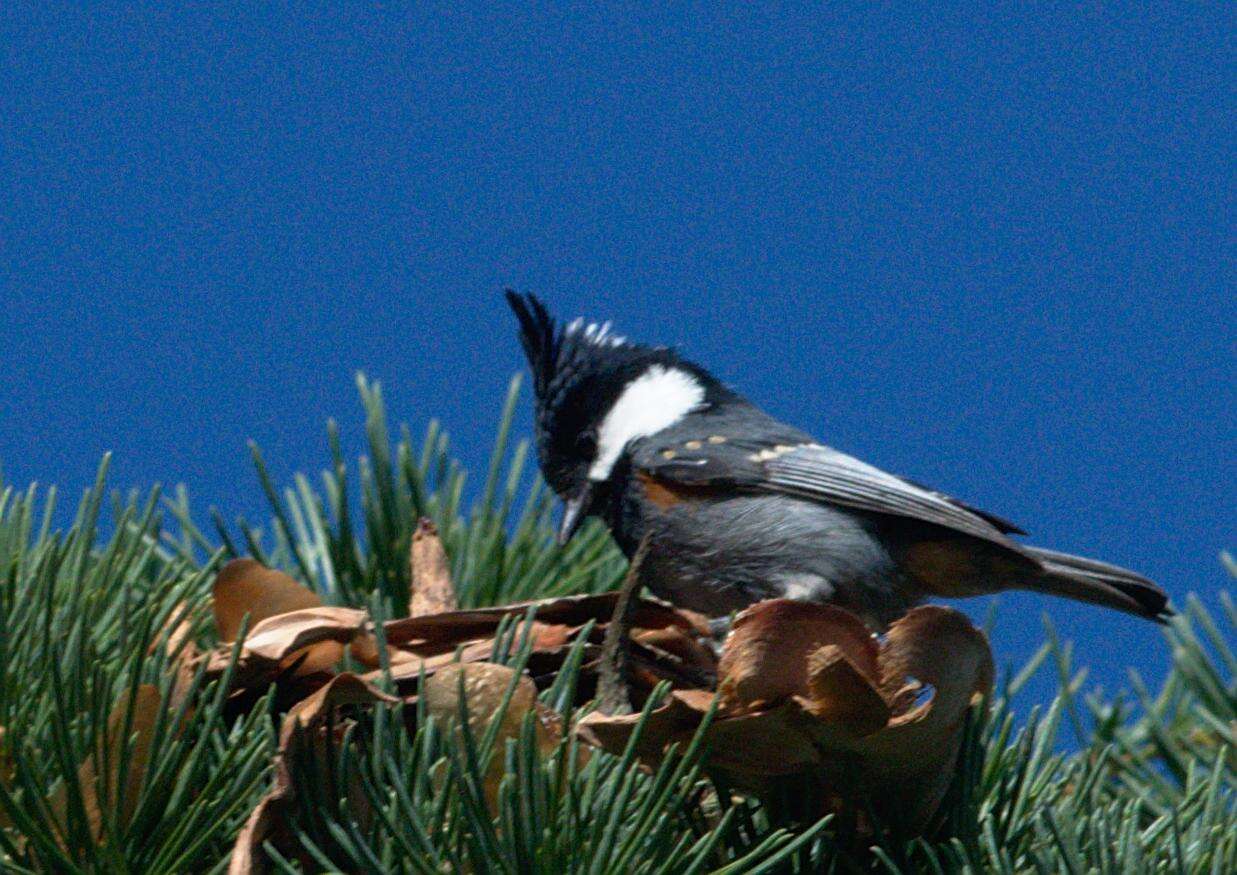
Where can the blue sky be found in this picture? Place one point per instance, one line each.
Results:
(991, 250)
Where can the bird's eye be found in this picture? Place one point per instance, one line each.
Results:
(586, 443)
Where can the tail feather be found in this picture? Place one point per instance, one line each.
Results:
(1089, 580)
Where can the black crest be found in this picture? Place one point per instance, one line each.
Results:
(541, 337)
(560, 355)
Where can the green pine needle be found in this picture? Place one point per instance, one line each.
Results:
(84, 613)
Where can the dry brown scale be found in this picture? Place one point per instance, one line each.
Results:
(804, 693)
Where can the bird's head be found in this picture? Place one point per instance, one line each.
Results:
(596, 394)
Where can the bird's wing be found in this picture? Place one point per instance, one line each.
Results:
(1005, 526)
(815, 472)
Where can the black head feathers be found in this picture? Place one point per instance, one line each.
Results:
(576, 368)
(540, 337)
(559, 355)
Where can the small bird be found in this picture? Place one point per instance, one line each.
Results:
(738, 507)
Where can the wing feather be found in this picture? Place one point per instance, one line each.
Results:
(820, 473)
(816, 471)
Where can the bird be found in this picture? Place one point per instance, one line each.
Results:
(738, 507)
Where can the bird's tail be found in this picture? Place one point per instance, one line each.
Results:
(1087, 580)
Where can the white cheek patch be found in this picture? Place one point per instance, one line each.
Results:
(655, 400)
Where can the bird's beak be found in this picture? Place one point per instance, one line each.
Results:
(574, 511)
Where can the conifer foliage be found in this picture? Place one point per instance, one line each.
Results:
(134, 739)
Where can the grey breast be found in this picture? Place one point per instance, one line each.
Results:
(720, 554)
